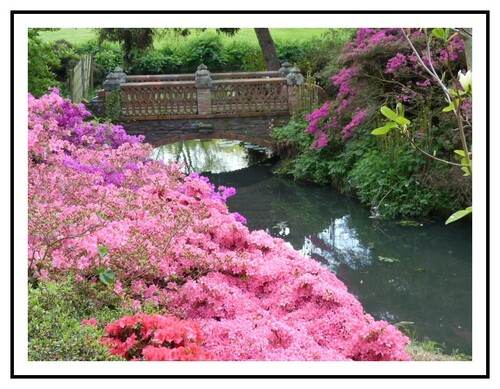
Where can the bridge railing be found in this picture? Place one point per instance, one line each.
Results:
(250, 96)
(160, 98)
(179, 96)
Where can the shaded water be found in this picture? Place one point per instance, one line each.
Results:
(419, 274)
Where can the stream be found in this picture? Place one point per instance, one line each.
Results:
(419, 275)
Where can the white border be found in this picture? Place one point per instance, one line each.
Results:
(476, 367)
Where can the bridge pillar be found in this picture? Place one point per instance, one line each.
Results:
(294, 82)
(203, 81)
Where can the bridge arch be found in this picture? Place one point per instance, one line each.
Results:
(237, 137)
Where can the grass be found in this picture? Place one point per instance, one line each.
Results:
(430, 351)
(73, 35)
(81, 35)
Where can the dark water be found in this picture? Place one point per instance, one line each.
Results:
(418, 274)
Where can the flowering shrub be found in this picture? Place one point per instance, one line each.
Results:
(169, 242)
(379, 65)
(155, 338)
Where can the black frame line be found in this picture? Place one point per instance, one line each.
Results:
(227, 12)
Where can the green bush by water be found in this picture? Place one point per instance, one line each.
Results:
(393, 182)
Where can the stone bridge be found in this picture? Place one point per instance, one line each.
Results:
(240, 106)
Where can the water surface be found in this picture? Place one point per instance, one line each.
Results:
(419, 274)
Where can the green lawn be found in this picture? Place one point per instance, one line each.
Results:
(81, 35)
(72, 35)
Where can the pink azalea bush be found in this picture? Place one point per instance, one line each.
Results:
(172, 244)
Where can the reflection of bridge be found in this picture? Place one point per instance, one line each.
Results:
(170, 108)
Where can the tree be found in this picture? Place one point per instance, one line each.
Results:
(41, 64)
(268, 48)
(129, 38)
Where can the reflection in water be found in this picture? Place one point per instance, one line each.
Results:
(213, 155)
(339, 244)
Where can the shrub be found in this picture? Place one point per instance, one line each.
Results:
(207, 49)
(293, 51)
(393, 186)
(105, 55)
(55, 330)
(243, 56)
(376, 67)
(156, 61)
(379, 66)
(155, 338)
(167, 243)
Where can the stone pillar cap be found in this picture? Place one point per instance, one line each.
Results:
(294, 77)
(112, 82)
(284, 69)
(202, 77)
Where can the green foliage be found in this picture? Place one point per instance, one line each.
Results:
(107, 56)
(294, 51)
(207, 49)
(55, 314)
(41, 64)
(393, 185)
(130, 39)
(173, 53)
(158, 61)
(113, 106)
(244, 56)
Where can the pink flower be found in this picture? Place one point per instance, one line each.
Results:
(173, 243)
(89, 322)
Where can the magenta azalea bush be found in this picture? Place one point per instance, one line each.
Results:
(97, 204)
(380, 68)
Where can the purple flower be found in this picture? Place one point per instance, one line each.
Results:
(114, 178)
(239, 218)
(354, 123)
(395, 63)
(321, 140)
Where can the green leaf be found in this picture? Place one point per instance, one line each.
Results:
(449, 108)
(460, 152)
(389, 113)
(439, 33)
(402, 121)
(385, 129)
(107, 277)
(455, 94)
(458, 215)
(400, 111)
(103, 250)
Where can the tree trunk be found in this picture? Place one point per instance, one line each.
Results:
(268, 48)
